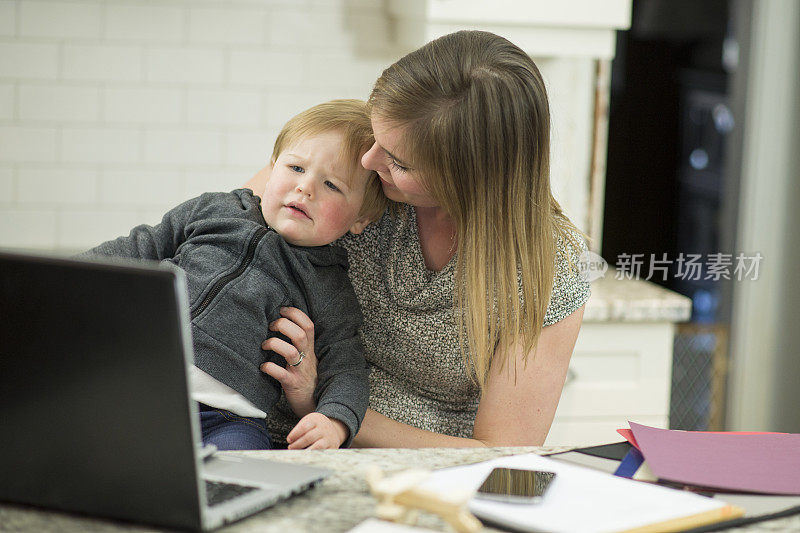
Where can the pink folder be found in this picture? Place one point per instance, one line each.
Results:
(628, 434)
(748, 462)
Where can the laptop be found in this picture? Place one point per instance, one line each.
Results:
(95, 412)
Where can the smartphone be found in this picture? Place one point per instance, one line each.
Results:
(514, 485)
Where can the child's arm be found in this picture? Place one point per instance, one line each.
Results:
(152, 242)
(316, 431)
(342, 391)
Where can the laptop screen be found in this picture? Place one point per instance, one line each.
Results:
(93, 390)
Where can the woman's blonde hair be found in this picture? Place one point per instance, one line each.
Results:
(351, 118)
(477, 130)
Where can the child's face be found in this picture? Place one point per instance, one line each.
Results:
(309, 198)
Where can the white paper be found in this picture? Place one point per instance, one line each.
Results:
(373, 525)
(578, 500)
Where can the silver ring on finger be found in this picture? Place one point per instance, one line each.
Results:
(302, 356)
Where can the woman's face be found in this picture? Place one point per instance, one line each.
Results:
(399, 178)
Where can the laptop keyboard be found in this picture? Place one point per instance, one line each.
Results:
(218, 492)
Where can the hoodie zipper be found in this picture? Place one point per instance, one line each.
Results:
(220, 284)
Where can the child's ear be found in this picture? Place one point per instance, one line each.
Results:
(359, 225)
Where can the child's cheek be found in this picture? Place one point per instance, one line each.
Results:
(335, 216)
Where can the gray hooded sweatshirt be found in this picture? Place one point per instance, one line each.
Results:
(240, 272)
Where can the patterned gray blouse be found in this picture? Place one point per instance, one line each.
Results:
(409, 332)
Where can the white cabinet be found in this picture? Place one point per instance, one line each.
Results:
(618, 372)
(543, 28)
(621, 368)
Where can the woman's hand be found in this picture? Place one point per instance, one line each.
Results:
(299, 378)
(316, 431)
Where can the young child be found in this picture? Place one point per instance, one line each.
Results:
(247, 258)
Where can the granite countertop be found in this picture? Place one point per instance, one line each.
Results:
(337, 504)
(634, 300)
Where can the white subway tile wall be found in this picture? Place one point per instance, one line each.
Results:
(26, 144)
(7, 101)
(227, 25)
(100, 144)
(143, 105)
(28, 228)
(103, 63)
(145, 22)
(58, 19)
(8, 17)
(52, 186)
(28, 61)
(6, 186)
(113, 111)
(61, 103)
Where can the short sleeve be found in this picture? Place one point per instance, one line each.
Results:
(570, 290)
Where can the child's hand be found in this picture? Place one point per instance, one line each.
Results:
(299, 378)
(316, 431)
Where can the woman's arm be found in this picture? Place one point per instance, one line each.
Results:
(379, 431)
(516, 409)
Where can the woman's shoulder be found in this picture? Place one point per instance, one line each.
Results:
(570, 244)
(570, 289)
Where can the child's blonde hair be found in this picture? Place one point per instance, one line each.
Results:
(351, 119)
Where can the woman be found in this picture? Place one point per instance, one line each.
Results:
(469, 287)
